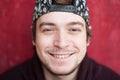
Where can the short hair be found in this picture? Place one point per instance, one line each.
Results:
(64, 2)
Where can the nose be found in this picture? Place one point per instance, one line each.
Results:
(61, 40)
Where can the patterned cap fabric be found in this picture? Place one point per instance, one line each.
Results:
(79, 7)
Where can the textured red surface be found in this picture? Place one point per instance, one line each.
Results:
(15, 33)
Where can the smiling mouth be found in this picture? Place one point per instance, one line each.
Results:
(61, 56)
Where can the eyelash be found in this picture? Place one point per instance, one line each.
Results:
(46, 30)
(75, 30)
(51, 30)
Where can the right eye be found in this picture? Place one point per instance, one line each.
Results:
(46, 30)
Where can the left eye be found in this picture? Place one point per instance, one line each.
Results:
(74, 30)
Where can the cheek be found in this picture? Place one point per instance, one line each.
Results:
(43, 42)
(80, 41)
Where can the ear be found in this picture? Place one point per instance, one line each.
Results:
(33, 42)
(88, 40)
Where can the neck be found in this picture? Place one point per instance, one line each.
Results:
(51, 76)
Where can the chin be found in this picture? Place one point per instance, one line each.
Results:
(64, 71)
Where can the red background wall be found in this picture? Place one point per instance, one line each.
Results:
(15, 32)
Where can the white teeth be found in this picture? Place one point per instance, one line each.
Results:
(61, 56)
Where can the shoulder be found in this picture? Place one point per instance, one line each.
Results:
(18, 72)
(102, 72)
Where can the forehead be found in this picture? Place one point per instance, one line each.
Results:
(60, 18)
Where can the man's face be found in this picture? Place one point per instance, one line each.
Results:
(61, 41)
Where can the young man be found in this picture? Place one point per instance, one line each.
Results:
(61, 34)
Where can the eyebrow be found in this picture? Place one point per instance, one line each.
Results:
(46, 23)
(76, 23)
(69, 23)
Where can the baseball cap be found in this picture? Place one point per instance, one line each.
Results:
(78, 7)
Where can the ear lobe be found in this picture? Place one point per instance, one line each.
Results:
(90, 27)
(88, 41)
(33, 42)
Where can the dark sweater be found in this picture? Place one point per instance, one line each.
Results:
(32, 70)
